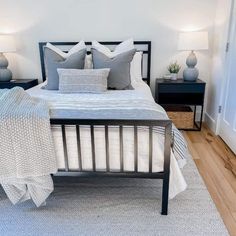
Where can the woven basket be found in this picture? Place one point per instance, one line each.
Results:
(182, 116)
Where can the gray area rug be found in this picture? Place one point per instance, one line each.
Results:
(115, 207)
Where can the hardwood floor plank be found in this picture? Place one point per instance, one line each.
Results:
(215, 163)
(221, 149)
(234, 215)
(196, 137)
(231, 179)
(217, 175)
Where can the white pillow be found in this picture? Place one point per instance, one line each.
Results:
(136, 67)
(136, 63)
(121, 48)
(88, 63)
(79, 46)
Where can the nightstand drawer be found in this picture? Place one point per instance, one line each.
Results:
(181, 88)
(180, 98)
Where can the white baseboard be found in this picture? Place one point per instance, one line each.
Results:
(211, 123)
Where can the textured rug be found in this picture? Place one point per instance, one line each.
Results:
(115, 207)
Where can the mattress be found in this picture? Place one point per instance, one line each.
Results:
(113, 104)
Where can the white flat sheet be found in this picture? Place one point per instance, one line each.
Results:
(140, 97)
(116, 100)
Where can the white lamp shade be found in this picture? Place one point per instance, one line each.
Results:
(7, 43)
(193, 41)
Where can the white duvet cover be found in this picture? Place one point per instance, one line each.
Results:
(121, 103)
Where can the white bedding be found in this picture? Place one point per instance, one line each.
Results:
(87, 101)
(81, 105)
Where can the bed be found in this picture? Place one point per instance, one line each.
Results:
(117, 133)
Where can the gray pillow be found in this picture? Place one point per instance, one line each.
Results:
(119, 76)
(53, 61)
(83, 81)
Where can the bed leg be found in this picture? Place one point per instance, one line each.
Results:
(165, 187)
(165, 196)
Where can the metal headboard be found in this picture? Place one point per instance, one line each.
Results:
(144, 46)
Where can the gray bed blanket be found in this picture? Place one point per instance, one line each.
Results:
(27, 156)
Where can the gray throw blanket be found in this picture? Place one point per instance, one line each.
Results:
(27, 156)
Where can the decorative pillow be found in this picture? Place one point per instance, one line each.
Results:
(83, 81)
(53, 61)
(135, 66)
(136, 63)
(119, 76)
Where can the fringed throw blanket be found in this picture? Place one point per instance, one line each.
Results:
(27, 156)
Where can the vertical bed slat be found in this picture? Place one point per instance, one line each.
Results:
(121, 149)
(65, 147)
(79, 147)
(107, 149)
(93, 147)
(135, 148)
(150, 148)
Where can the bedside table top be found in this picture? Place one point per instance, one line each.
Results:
(18, 81)
(24, 83)
(179, 81)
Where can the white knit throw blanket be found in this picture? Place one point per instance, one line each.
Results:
(27, 155)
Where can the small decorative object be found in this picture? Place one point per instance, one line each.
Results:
(191, 41)
(167, 77)
(174, 69)
(6, 45)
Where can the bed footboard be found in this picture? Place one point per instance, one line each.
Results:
(150, 124)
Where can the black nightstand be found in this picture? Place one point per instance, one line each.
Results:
(23, 83)
(181, 93)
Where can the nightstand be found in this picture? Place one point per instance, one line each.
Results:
(23, 83)
(182, 93)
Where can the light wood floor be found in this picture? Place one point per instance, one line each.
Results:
(209, 153)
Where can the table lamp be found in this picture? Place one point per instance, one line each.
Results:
(191, 41)
(6, 45)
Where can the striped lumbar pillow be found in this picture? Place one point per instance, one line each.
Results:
(83, 81)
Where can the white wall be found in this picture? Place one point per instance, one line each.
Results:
(160, 21)
(216, 82)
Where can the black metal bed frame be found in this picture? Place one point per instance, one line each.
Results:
(150, 124)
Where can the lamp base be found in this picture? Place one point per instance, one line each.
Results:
(191, 73)
(5, 74)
